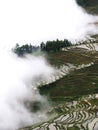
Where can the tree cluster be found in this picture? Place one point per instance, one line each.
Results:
(55, 45)
(21, 50)
(49, 46)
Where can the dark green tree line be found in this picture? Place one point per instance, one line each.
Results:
(55, 45)
(21, 50)
(49, 46)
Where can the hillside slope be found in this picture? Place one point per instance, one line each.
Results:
(74, 96)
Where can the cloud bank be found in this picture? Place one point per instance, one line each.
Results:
(34, 21)
(17, 91)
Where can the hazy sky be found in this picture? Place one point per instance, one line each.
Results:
(33, 21)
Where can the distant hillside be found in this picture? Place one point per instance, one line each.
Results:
(90, 5)
(87, 2)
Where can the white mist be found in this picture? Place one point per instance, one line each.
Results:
(34, 21)
(16, 79)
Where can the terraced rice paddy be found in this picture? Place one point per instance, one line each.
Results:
(73, 96)
(76, 115)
